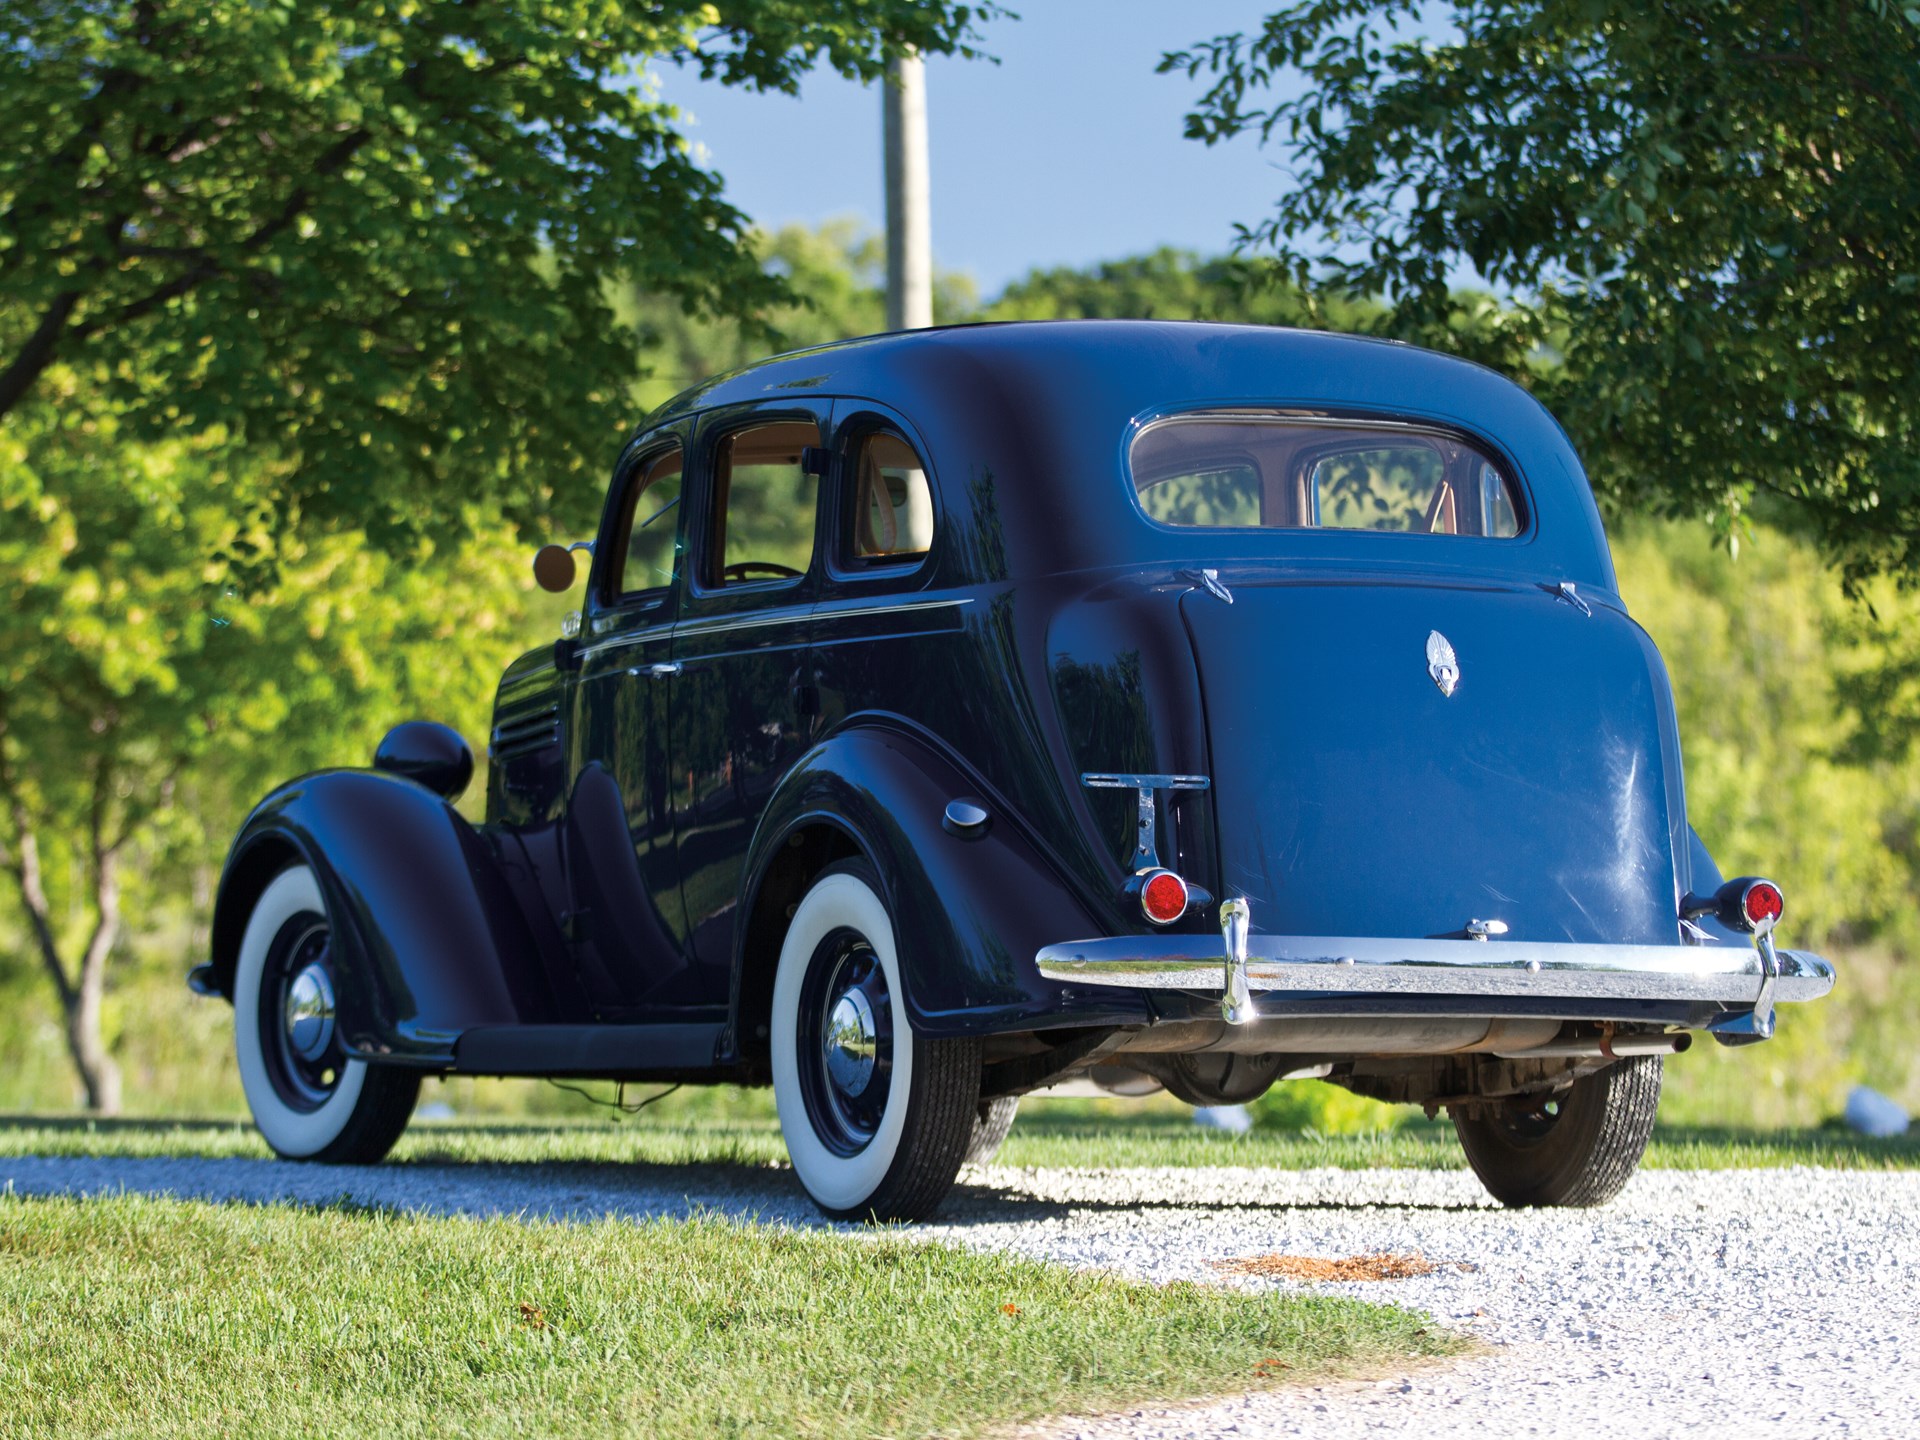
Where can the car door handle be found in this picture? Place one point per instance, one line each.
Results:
(664, 669)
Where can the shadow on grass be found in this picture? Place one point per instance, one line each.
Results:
(108, 1125)
(160, 1124)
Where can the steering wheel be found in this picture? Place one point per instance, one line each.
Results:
(738, 570)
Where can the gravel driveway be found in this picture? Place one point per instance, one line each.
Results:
(1748, 1303)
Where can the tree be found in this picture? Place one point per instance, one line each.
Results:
(835, 277)
(1169, 284)
(1707, 212)
(376, 235)
(129, 669)
(303, 306)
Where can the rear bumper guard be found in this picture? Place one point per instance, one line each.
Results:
(1239, 966)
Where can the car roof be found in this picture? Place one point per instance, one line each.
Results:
(1043, 411)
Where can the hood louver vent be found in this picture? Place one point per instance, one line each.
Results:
(527, 732)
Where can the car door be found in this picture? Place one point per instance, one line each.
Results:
(744, 705)
(626, 923)
(881, 639)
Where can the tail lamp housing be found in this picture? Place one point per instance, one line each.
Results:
(1750, 904)
(1164, 896)
(1761, 904)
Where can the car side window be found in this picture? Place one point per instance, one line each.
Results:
(764, 503)
(892, 509)
(644, 544)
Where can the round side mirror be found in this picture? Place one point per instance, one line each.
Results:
(553, 568)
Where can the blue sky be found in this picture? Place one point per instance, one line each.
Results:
(1067, 152)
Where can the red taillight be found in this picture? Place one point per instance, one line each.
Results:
(1164, 897)
(1762, 904)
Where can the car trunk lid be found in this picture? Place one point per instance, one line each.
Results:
(1355, 796)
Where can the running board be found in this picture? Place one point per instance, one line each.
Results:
(610, 1051)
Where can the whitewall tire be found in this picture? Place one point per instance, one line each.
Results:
(310, 1101)
(876, 1119)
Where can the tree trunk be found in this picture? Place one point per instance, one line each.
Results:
(80, 1003)
(98, 1071)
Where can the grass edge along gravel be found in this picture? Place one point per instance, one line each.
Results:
(1038, 1140)
(134, 1315)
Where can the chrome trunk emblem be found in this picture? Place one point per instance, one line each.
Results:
(1442, 664)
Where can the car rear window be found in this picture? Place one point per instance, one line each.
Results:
(1250, 471)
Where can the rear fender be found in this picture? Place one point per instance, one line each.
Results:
(428, 938)
(969, 912)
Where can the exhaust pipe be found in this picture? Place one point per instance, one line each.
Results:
(1603, 1047)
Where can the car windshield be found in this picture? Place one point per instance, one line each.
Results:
(1273, 471)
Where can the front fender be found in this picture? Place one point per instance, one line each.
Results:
(428, 939)
(969, 913)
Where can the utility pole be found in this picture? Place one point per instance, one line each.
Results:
(909, 225)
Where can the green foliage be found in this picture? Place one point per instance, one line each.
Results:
(129, 650)
(1760, 652)
(376, 236)
(1709, 214)
(1171, 285)
(835, 279)
(1308, 1107)
(149, 692)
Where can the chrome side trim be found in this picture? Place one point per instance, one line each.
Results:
(722, 624)
(833, 611)
(624, 638)
(1375, 966)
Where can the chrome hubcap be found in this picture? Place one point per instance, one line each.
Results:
(852, 1043)
(309, 1012)
(845, 1039)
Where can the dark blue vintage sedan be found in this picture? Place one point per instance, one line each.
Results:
(957, 713)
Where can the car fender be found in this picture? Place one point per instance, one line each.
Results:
(428, 938)
(970, 909)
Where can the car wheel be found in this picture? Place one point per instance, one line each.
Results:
(991, 1122)
(876, 1118)
(309, 1099)
(1577, 1146)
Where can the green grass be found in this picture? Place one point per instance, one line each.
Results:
(1090, 1135)
(143, 1317)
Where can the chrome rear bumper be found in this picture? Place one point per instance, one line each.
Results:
(1516, 969)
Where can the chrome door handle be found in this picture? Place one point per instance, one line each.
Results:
(664, 669)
